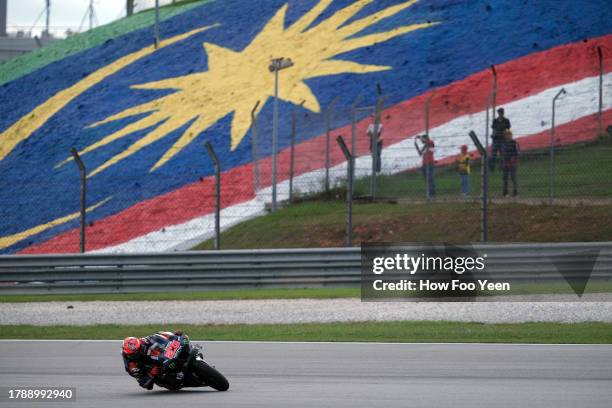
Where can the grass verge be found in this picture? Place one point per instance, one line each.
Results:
(401, 332)
(298, 293)
(243, 294)
(322, 224)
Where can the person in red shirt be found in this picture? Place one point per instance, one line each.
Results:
(427, 167)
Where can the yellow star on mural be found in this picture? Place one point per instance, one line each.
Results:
(235, 81)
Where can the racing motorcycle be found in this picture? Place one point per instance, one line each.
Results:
(181, 364)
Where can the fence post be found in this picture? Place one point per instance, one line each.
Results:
(350, 163)
(551, 169)
(254, 147)
(599, 119)
(427, 170)
(292, 156)
(217, 165)
(354, 125)
(484, 188)
(83, 173)
(374, 139)
(328, 119)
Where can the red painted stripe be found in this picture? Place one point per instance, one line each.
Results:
(518, 79)
(179, 206)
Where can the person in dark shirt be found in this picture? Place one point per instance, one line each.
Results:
(509, 157)
(500, 125)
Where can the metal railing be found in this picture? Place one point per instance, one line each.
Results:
(268, 268)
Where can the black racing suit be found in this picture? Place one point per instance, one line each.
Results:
(499, 126)
(138, 365)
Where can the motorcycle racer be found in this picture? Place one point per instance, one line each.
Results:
(140, 356)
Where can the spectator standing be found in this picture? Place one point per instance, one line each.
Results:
(499, 126)
(375, 134)
(464, 168)
(427, 167)
(509, 156)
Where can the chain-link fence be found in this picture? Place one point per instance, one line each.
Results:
(556, 151)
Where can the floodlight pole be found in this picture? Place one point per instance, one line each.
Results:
(83, 172)
(48, 18)
(276, 65)
(275, 140)
(129, 7)
(91, 14)
(156, 23)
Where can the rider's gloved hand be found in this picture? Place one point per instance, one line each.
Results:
(134, 372)
(154, 372)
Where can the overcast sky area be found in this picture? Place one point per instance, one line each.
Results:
(65, 14)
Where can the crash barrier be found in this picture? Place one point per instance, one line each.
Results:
(262, 268)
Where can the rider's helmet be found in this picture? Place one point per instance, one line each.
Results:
(131, 346)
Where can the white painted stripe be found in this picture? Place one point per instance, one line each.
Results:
(529, 116)
(187, 235)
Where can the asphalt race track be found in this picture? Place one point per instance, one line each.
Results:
(329, 375)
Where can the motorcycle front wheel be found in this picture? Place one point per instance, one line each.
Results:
(210, 376)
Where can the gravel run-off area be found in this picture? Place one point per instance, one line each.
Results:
(297, 311)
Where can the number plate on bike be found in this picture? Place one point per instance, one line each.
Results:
(172, 349)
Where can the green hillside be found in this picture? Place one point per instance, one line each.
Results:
(29, 62)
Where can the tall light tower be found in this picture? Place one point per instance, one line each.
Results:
(156, 29)
(47, 33)
(3, 18)
(276, 65)
(129, 7)
(91, 14)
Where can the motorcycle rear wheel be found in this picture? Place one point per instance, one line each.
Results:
(210, 376)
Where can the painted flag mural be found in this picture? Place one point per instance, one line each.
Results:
(139, 115)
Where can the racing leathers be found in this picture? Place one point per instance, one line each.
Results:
(143, 364)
